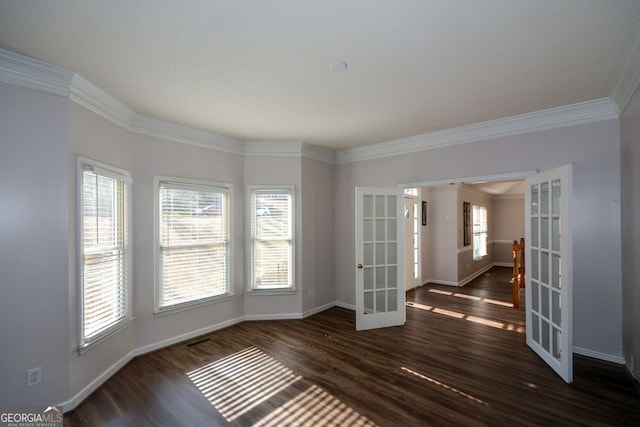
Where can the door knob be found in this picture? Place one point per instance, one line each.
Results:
(360, 266)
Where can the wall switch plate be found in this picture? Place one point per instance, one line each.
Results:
(34, 376)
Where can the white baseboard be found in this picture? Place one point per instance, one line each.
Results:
(351, 307)
(186, 336)
(472, 276)
(441, 282)
(74, 401)
(93, 385)
(503, 264)
(598, 355)
(318, 309)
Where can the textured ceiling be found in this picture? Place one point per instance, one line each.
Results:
(259, 69)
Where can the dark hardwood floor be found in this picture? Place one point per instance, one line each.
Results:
(461, 359)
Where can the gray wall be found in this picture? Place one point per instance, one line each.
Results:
(34, 256)
(630, 152)
(508, 225)
(594, 150)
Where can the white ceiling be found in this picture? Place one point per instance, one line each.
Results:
(259, 69)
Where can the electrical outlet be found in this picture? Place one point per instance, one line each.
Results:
(34, 376)
(310, 293)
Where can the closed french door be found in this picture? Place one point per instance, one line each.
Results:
(548, 286)
(380, 295)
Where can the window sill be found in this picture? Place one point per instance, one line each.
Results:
(84, 348)
(164, 311)
(270, 292)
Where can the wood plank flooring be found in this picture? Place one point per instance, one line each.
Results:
(461, 359)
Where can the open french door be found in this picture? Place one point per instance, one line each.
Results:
(548, 286)
(380, 294)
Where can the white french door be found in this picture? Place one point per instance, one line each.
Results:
(548, 286)
(380, 294)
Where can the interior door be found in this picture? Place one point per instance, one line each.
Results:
(380, 295)
(548, 286)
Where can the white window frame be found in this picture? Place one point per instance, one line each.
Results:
(85, 343)
(252, 190)
(477, 232)
(190, 184)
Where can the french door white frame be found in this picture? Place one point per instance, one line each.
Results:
(379, 269)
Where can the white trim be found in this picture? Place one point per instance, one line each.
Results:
(318, 309)
(599, 355)
(273, 148)
(252, 191)
(503, 264)
(441, 282)
(178, 133)
(74, 401)
(79, 397)
(278, 316)
(26, 72)
(552, 118)
(288, 148)
(19, 70)
(474, 275)
(84, 93)
(502, 242)
(346, 306)
(508, 176)
(629, 77)
(195, 184)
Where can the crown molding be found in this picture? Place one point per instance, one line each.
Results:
(19, 70)
(273, 148)
(629, 77)
(552, 118)
(173, 132)
(318, 153)
(94, 99)
(288, 148)
(30, 73)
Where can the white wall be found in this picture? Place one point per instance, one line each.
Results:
(594, 150)
(630, 154)
(34, 260)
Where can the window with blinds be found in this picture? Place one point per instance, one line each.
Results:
(272, 238)
(104, 248)
(193, 243)
(480, 232)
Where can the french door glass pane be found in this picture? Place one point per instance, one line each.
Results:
(380, 278)
(367, 206)
(368, 278)
(367, 230)
(555, 197)
(544, 198)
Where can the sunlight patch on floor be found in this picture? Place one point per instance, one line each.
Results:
(471, 297)
(242, 381)
(475, 319)
(443, 385)
(311, 408)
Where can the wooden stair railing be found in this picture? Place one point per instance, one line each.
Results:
(518, 271)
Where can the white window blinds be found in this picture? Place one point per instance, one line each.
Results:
(272, 229)
(479, 232)
(104, 219)
(194, 243)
